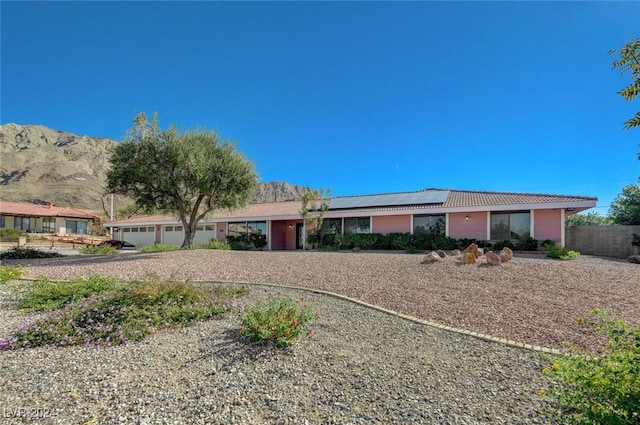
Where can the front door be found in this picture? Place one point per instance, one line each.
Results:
(299, 235)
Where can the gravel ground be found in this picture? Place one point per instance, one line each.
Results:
(359, 365)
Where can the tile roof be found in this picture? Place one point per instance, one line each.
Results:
(36, 210)
(455, 199)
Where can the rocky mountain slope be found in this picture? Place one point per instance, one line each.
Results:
(42, 165)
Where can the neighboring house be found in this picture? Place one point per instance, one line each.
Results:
(459, 214)
(36, 218)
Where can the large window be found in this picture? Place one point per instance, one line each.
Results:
(332, 225)
(76, 227)
(432, 224)
(357, 225)
(49, 225)
(514, 225)
(247, 228)
(22, 223)
(2, 224)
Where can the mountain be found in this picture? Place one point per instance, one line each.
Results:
(42, 165)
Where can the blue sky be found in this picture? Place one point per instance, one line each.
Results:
(361, 97)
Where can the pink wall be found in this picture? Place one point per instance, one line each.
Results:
(547, 225)
(474, 228)
(392, 223)
(221, 231)
(291, 234)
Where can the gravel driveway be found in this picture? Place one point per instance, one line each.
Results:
(359, 366)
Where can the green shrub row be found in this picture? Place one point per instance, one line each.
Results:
(25, 253)
(420, 241)
(247, 241)
(11, 235)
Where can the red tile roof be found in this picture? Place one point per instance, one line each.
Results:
(35, 210)
(467, 198)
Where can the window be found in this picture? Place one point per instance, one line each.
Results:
(247, 228)
(168, 229)
(126, 229)
(257, 227)
(506, 226)
(76, 227)
(21, 223)
(332, 225)
(48, 225)
(432, 224)
(235, 229)
(143, 229)
(199, 228)
(150, 229)
(209, 227)
(178, 228)
(357, 225)
(2, 221)
(134, 230)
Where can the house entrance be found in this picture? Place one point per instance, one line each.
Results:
(299, 235)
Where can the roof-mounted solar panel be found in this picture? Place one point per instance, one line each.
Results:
(389, 200)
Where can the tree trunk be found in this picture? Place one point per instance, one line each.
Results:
(189, 235)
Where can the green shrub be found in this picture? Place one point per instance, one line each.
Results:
(98, 249)
(484, 244)
(159, 247)
(216, 244)
(527, 244)
(554, 251)
(546, 242)
(11, 235)
(413, 250)
(239, 243)
(127, 314)
(278, 319)
(503, 244)
(399, 241)
(258, 241)
(602, 389)
(44, 294)
(25, 253)
(10, 273)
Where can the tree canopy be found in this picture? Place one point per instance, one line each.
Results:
(628, 62)
(190, 173)
(625, 209)
(589, 219)
(314, 206)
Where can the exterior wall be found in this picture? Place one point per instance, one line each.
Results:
(202, 236)
(607, 241)
(291, 234)
(221, 234)
(138, 238)
(391, 224)
(474, 228)
(547, 224)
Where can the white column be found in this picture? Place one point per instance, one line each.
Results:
(532, 222)
(562, 218)
(488, 225)
(268, 235)
(446, 224)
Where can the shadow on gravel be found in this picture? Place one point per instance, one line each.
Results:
(233, 349)
(79, 260)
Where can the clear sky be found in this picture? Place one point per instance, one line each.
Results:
(361, 97)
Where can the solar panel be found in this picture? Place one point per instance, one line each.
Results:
(389, 199)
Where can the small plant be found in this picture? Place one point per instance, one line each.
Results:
(278, 319)
(159, 247)
(98, 249)
(10, 273)
(601, 389)
(11, 235)
(25, 253)
(216, 244)
(554, 251)
(125, 313)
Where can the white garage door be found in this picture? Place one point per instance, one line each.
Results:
(138, 236)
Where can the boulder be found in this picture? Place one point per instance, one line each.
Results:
(506, 254)
(493, 258)
(472, 249)
(468, 258)
(634, 259)
(455, 252)
(441, 253)
(431, 257)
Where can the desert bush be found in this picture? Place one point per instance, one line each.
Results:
(216, 244)
(126, 314)
(278, 319)
(399, 241)
(599, 389)
(497, 246)
(554, 251)
(25, 253)
(10, 234)
(98, 249)
(159, 247)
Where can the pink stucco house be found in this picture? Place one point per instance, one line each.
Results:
(478, 215)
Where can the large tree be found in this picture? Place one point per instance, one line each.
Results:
(625, 209)
(628, 62)
(190, 173)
